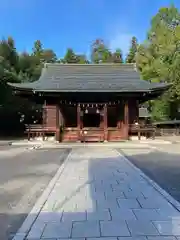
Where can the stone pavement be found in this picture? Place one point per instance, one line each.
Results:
(100, 195)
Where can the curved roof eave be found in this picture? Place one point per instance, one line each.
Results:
(30, 87)
(21, 86)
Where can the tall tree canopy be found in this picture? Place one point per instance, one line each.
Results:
(117, 56)
(131, 57)
(72, 57)
(100, 53)
(158, 59)
(43, 55)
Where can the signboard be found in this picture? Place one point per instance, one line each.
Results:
(143, 112)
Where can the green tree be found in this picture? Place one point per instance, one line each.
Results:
(48, 56)
(70, 56)
(131, 57)
(30, 67)
(158, 58)
(37, 49)
(81, 59)
(15, 67)
(43, 55)
(100, 53)
(168, 16)
(117, 56)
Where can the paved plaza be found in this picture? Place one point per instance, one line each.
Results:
(100, 194)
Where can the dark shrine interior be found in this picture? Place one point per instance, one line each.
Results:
(92, 117)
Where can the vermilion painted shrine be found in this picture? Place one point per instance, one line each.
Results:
(92, 102)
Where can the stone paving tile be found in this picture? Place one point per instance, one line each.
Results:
(114, 228)
(86, 229)
(132, 238)
(54, 230)
(168, 227)
(19, 236)
(103, 188)
(46, 217)
(36, 230)
(99, 196)
(70, 239)
(103, 238)
(85, 206)
(148, 214)
(142, 228)
(68, 206)
(162, 238)
(108, 203)
(133, 194)
(48, 207)
(95, 215)
(114, 195)
(121, 187)
(169, 214)
(122, 214)
(148, 192)
(128, 203)
(75, 216)
(158, 202)
(41, 239)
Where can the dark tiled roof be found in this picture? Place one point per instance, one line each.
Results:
(90, 78)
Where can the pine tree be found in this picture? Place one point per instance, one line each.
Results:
(70, 56)
(117, 56)
(131, 57)
(37, 49)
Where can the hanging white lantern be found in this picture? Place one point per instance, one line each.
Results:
(97, 111)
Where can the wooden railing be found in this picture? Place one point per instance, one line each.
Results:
(167, 131)
(148, 130)
(38, 130)
(93, 134)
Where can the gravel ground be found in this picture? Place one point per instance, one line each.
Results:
(24, 174)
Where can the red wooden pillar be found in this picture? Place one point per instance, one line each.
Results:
(44, 119)
(126, 120)
(137, 110)
(78, 120)
(57, 123)
(105, 123)
(44, 113)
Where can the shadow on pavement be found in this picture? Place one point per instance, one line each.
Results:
(107, 203)
(162, 167)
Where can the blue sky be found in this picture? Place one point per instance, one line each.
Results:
(61, 24)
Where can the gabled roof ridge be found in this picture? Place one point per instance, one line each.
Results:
(90, 64)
